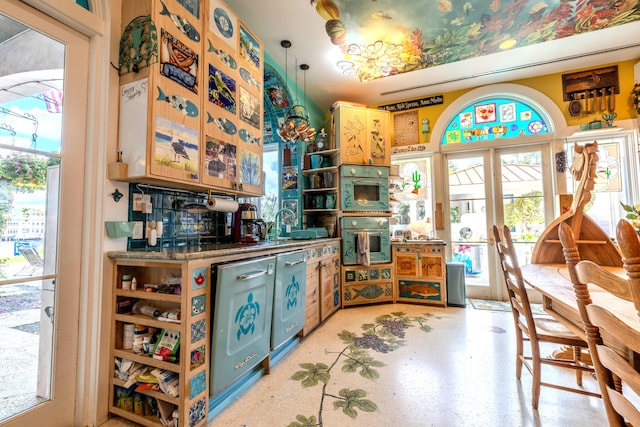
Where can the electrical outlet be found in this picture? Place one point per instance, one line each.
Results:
(139, 199)
(137, 230)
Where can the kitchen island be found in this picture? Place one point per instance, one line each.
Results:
(175, 296)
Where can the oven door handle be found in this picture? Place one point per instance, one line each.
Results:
(373, 233)
(366, 182)
(292, 263)
(251, 275)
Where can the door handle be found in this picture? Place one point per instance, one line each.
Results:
(292, 263)
(251, 275)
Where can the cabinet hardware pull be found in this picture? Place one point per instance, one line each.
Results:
(292, 263)
(251, 275)
(366, 182)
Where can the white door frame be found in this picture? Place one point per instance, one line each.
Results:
(61, 409)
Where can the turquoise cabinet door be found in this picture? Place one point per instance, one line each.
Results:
(289, 296)
(243, 304)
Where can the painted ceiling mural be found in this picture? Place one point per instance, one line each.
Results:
(380, 38)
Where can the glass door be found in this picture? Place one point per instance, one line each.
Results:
(495, 186)
(470, 212)
(41, 210)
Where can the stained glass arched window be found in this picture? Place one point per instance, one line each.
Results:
(494, 118)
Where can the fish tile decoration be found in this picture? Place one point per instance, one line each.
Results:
(182, 24)
(226, 58)
(179, 103)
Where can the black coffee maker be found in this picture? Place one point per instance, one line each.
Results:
(246, 228)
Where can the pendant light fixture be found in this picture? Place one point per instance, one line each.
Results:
(296, 120)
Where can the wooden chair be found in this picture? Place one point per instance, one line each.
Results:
(605, 332)
(536, 329)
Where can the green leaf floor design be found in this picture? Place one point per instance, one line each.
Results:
(385, 334)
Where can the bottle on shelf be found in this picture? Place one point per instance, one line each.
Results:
(142, 307)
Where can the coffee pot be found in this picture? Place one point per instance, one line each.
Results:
(246, 227)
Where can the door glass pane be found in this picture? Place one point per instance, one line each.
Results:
(523, 199)
(30, 160)
(467, 215)
(610, 186)
(411, 195)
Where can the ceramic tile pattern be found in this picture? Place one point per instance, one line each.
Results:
(431, 366)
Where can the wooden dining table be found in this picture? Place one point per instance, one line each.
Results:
(559, 300)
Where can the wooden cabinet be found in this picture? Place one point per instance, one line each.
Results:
(321, 193)
(183, 319)
(232, 116)
(367, 284)
(191, 114)
(323, 283)
(363, 135)
(420, 273)
(330, 283)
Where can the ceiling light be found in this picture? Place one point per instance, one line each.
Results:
(379, 59)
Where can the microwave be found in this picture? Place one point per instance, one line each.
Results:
(364, 188)
(377, 229)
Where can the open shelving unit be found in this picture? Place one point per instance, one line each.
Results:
(189, 282)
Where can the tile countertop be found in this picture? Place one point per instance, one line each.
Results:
(216, 250)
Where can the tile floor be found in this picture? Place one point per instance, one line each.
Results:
(459, 373)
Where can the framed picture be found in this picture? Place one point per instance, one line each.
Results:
(249, 108)
(222, 90)
(405, 128)
(183, 68)
(249, 47)
(223, 23)
(485, 113)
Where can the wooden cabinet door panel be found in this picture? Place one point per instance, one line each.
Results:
(406, 264)
(431, 266)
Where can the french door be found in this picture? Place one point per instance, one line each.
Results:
(42, 150)
(495, 186)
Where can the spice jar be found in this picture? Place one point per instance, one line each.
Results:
(126, 281)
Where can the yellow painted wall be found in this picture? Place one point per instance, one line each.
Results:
(551, 86)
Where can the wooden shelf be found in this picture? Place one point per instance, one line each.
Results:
(151, 296)
(316, 170)
(320, 210)
(327, 153)
(319, 190)
(362, 213)
(146, 320)
(153, 393)
(145, 421)
(147, 360)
